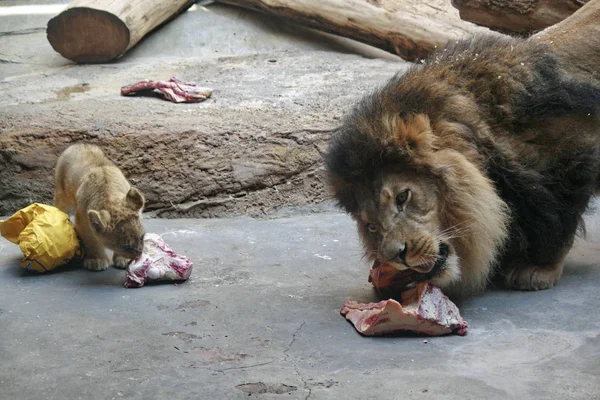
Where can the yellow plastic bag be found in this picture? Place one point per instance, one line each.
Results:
(45, 235)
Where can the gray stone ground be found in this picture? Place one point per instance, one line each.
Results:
(263, 305)
(261, 311)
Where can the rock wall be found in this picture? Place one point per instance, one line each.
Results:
(253, 148)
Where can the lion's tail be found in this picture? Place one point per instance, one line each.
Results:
(576, 42)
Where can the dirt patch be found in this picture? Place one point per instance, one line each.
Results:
(261, 388)
(65, 93)
(208, 356)
(193, 304)
(186, 337)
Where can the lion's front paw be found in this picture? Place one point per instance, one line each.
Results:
(95, 264)
(533, 278)
(120, 262)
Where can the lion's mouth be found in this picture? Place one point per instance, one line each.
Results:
(401, 279)
(440, 262)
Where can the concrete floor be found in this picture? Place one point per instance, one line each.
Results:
(261, 313)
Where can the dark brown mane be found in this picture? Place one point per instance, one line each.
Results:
(503, 105)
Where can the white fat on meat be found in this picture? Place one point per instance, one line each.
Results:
(424, 310)
(157, 263)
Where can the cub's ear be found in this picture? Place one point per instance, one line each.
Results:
(135, 199)
(99, 220)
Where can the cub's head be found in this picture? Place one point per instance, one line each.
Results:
(119, 226)
(419, 203)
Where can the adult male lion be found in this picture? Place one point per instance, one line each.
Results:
(484, 157)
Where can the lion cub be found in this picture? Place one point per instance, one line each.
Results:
(107, 208)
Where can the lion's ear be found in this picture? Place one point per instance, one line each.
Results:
(99, 220)
(414, 131)
(135, 199)
(456, 169)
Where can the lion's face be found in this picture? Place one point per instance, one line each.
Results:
(119, 227)
(415, 186)
(120, 232)
(400, 223)
(127, 237)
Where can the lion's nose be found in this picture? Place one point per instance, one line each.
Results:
(401, 255)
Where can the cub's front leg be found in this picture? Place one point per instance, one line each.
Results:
(120, 262)
(95, 255)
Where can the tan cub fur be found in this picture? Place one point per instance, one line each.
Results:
(107, 208)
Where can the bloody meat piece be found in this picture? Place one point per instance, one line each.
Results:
(385, 276)
(174, 89)
(424, 310)
(157, 263)
(390, 282)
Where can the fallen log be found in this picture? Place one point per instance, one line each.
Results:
(516, 17)
(97, 31)
(410, 29)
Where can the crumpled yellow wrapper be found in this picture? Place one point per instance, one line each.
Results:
(45, 235)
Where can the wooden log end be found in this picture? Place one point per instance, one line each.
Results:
(88, 35)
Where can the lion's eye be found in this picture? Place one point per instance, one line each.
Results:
(402, 198)
(371, 227)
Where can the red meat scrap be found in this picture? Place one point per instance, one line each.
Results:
(175, 90)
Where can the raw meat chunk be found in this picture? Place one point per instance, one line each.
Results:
(157, 263)
(386, 277)
(174, 89)
(424, 309)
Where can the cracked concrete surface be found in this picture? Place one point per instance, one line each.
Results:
(287, 359)
(260, 316)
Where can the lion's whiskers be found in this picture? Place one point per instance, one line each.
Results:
(458, 227)
(455, 231)
(369, 254)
